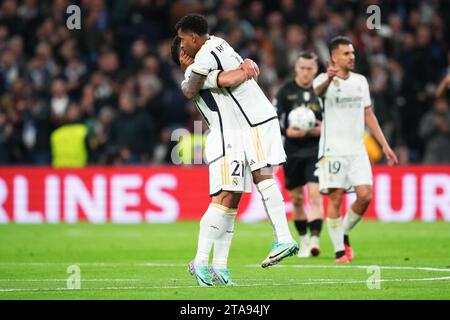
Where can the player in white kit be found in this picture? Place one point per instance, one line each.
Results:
(223, 131)
(343, 161)
(259, 145)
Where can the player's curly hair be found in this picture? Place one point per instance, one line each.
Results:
(175, 50)
(193, 23)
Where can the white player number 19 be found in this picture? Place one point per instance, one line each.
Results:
(334, 167)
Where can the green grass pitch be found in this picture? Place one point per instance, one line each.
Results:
(148, 261)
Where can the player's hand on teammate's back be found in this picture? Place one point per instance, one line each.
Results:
(250, 68)
(185, 60)
(331, 70)
(390, 155)
(293, 132)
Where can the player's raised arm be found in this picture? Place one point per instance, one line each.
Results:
(196, 80)
(321, 86)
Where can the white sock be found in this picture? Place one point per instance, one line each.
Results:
(304, 241)
(211, 228)
(336, 231)
(314, 240)
(274, 205)
(223, 244)
(350, 220)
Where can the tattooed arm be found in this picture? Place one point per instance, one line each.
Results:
(192, 86)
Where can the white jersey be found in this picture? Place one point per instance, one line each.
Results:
(250, 104)
(216, 108)
(343, 123)
(217, 111)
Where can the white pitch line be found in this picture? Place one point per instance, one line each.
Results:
(161, 264)
(47, 264)
(238, 280)
(171, 264)
(64, 280)
(242, 285)
(93, 289)
(354, 267)
(94, 264)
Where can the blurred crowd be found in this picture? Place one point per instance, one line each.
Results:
(109, 94)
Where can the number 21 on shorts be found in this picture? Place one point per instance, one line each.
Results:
(238, 168)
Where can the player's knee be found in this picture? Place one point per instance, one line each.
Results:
(262, 174)
(365, 196)
(297, 199)
(231, 203)
(335, 202)
(297, 202)
(315, 200)
(227, 199)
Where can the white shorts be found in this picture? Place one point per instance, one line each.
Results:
(344, 172)
(263, 145)
(245, 151)
(230, 173)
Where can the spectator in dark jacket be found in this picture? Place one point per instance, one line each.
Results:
(5, 133)
(132, 132)
(36, 130)
(435, 131)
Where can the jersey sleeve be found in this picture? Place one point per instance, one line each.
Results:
(320, 79)
(367, 102)
(204, 63)
(211, 80)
